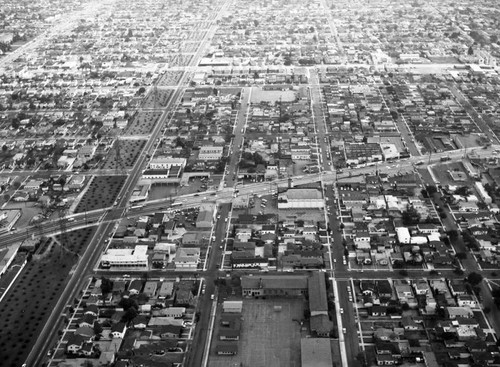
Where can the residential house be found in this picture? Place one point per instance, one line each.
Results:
(118, 330)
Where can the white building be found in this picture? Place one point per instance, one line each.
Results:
(167, 162)
(470, 169)
(33, 184)
(210, 153)
(482, 192)
(174, 311)
(389, 151)
(8, 219)
(301, 198)
(136, 257)
(187, 258)
(403, 235)
(232, 306)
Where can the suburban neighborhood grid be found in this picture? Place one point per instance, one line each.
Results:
(264, 183)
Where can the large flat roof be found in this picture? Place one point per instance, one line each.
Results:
(317, 293)
(303, 194)
(275, 281)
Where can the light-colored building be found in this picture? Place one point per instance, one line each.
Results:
(187, 259)
(301, 198)
(166, 290)
(33, 184)
(210, 153)
(274, 285)
(136, 257)
(8, 219)
(76, 182)
(174, 311)
(403, 235)
(232, 306)
(205, 216)
(167, 162)
(483, 193)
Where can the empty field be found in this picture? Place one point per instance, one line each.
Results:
(268, 338)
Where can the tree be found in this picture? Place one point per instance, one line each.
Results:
(431, 189)
(453, 234)
(474, 278)
(127, 303)
(461, 255)
(410, 216)
(97, 328)
(4, 148)
(15, 123)
(106, 286)
(463, 190)
(129, 314)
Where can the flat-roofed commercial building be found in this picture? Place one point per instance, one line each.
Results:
(301, 198)
(210, 153)
(136, 257)
(274, 285)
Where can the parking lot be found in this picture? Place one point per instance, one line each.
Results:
(268, 337)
